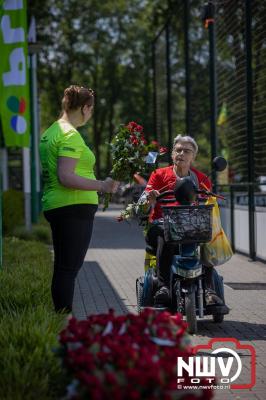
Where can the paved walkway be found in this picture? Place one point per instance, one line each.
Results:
(114, 261)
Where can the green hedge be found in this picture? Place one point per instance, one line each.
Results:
(28, 324)
(13, 220)
(13, 210)
(40, 232)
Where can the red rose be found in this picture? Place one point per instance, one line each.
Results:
(144, 141)
(111, 378)
(132, 125)
(139, 128)
(133, 395)
(163, 150)
(133, 139)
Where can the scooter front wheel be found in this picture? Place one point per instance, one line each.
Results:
(190, 310)
(218, 318)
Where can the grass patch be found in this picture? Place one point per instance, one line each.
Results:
(28, 324)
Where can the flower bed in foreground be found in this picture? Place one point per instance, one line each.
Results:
(126, 357)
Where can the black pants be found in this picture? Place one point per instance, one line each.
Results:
(71, 230)
(164, 255)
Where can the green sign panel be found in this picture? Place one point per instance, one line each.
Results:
(14, 76)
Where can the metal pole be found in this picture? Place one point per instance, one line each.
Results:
(34, 201)
(249, 124)
(27, 186)
(4, 168)
(232, 217)
(187, 66)
(1, 223)
(154, 90)
(209, 21)
(1, 191)
(35, 165)
(168, 84)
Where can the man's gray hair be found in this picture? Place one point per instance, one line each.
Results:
(186, 139)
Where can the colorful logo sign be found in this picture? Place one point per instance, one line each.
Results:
(17, 122)
(14, 77)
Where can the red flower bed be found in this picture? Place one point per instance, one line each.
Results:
(126, 357)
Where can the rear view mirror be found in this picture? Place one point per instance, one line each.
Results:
(219, 164)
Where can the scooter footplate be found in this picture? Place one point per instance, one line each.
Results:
(216, 309)
(159, 309)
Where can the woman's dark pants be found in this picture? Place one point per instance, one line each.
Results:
(71, 230)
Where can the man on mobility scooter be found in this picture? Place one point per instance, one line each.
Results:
(182, 176)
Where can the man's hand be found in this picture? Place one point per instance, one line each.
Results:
(152, 195)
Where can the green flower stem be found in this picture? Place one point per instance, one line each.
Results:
(106, 201)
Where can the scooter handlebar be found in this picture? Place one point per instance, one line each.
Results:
(198, 191)
(163, 194)
(209, 193)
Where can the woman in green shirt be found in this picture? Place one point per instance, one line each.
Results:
(70, 197)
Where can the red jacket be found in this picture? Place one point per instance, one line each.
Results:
(163, 179)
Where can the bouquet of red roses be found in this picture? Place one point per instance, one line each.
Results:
(129, 150)
(127, 357)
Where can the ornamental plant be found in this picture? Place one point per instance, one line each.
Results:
(126, 357)
(129, 149)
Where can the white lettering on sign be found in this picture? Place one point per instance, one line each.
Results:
(17, 73)
(13, 4)
(206, 366)
(11, 35)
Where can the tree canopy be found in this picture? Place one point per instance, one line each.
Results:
(108, 46)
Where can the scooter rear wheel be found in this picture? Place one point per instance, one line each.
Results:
(139, 293)
(149, 288)
(190, 309)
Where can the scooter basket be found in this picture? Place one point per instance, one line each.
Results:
(188, 224)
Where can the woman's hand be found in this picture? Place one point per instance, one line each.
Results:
(109, 185)
(152, 195)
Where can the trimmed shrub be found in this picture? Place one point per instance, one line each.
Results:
(29, 368)
(13, 210)
(28, 325)
(42, 233)
(39, 233)
(21, 232)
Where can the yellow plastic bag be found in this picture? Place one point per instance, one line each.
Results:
(150, 261)
(218, 251)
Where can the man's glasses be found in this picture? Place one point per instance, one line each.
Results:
(183, 150)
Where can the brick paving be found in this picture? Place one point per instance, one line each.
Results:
(114, 261)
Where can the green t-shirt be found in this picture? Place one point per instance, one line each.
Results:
(62, 139)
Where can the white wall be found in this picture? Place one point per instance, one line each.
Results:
(260, 220)
(242, 228)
